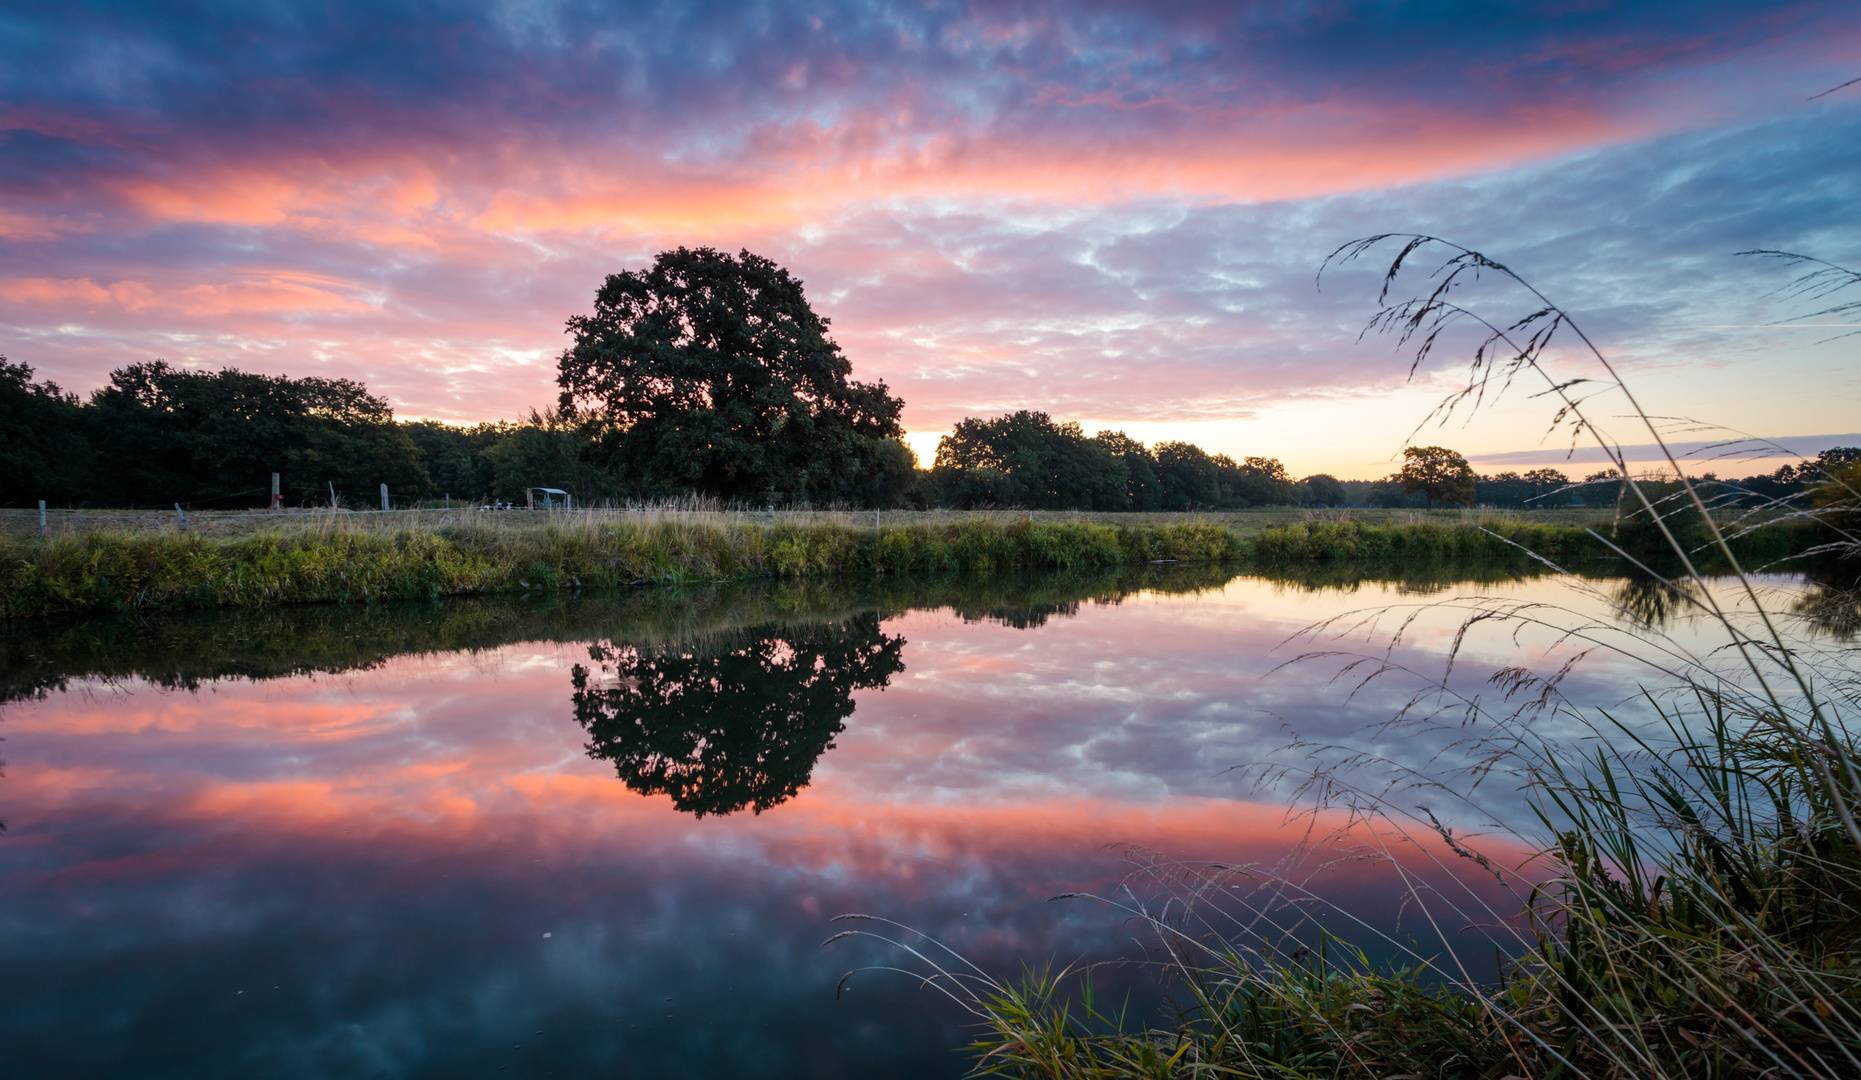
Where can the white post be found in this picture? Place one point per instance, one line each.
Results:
(276, 499)
(384, 496)
(449, 500)
(41, 517)
(875, 517)
(332, 485)
(182, 514)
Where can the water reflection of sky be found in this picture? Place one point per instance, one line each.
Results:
(416, 870)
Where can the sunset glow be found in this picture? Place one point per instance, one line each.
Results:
(1113, 213)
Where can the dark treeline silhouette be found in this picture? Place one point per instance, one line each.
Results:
(155, 435)
(1025, 459)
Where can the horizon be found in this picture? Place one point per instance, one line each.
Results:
(1113, 215)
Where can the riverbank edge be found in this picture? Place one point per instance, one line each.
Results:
(103, 572)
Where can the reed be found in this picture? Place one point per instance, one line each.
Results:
(1667, 887)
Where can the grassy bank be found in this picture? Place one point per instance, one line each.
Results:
(333, 559)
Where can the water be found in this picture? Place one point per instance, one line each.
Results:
(607, 835)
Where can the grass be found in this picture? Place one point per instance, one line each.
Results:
(346, 558)
(1667, 887)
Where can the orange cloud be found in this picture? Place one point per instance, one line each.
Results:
(264, 293)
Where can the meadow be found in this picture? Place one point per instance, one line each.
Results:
(247, 561)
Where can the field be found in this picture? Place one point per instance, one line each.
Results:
(25, 523)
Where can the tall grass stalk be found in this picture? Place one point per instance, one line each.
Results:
(1666, 886)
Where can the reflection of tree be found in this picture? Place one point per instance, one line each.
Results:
(1832, 603)
(1649, 601)
(723, 729)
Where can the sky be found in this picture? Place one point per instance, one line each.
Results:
(1111, 212)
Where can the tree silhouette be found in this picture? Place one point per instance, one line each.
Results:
(711, 372)
(1438, 474)
(722, 729)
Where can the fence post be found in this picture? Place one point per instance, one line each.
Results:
(182, 514)
(384, 496)
(41, 517)
(332, 485)
(276, 499)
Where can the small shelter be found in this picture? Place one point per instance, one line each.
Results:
(542, 498)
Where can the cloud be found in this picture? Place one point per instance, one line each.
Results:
(1112, 213)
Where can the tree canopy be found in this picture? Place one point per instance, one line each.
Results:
(710, 372)
(1437, 474)
(1027, 459)
(168, 434)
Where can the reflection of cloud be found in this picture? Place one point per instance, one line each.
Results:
(388, 846)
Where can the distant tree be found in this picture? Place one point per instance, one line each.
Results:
(711, 372)
(1838, 456)
(166, 434)
(1510, 489)
(1025, 459)
(741, 725)
(1437, 474)
(1187, 477)
(1256, 481)
(1601, 489)
(454, 456)
(546, 450)
(1140, 469)
(1323, 489)
(44, 449)
(1838, 492)
(1391, 493)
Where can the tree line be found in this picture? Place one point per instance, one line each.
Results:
(154, 435)
(705, 373)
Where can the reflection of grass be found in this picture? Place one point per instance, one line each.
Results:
(186, 648)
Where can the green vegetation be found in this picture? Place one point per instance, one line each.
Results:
(1664, 888)
(329, 561)
(711, 373)
(357, 558)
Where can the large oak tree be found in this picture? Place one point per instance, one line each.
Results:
(710, 372)
(1438, 474)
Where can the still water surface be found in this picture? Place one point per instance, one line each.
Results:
(605, 836)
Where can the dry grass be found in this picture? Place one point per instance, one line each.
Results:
(24, 524)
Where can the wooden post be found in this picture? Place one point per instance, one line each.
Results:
(529, 498)
(41, 517)
(182, 514)
(384, 496)
(332, 484)
(276, 499)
